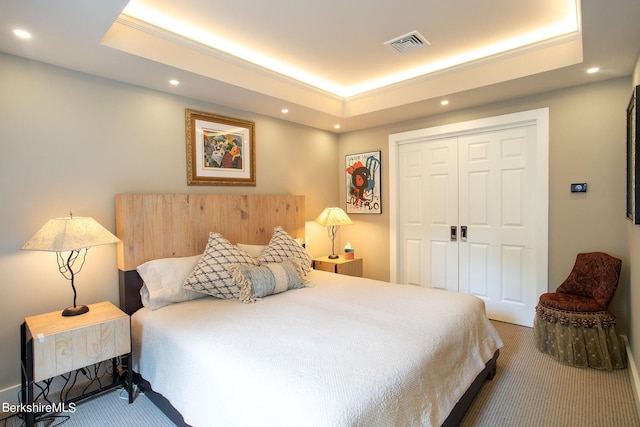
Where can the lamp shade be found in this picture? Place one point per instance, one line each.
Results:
(67, 234)
(333, 217)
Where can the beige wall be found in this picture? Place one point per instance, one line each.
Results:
(586, 144)
(71, 141)
(633, 235)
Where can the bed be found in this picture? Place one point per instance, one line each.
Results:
(335, 351)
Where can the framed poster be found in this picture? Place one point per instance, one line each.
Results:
(633, 190)
(220, 150)
(363, 183)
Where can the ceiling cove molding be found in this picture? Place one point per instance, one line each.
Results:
(573, 39)
(538, 58)
(148, 41)
(154, 44)
(172, 37)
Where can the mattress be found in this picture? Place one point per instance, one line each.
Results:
(346, 352)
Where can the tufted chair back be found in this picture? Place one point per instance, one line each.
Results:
(595, 275)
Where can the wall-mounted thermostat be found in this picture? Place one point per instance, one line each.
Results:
(579, 188)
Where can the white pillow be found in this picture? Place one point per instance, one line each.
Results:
(253, 250)
(163, 279)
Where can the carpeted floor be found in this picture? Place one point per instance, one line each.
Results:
(110, 409)
(530, 390)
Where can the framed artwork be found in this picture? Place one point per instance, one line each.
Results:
(220, 150)
(363, 183)
(633, 189)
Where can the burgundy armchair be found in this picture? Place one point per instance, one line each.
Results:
(574, 324)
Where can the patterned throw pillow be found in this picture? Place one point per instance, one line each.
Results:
(281, 247)
(268, 279)
(210, 276)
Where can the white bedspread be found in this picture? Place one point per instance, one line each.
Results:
(347, 352)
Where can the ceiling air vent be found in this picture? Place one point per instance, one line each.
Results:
(407, 42)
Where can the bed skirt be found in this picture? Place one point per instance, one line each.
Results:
(579, 339)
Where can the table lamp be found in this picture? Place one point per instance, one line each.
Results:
(74, 235)
(333, 218)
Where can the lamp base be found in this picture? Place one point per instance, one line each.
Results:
(333, 256)
(75, 311)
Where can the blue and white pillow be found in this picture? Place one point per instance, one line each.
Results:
(256, 282)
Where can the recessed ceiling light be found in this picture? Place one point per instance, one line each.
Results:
(22, 33)
(174, 82)
(444, 102)
(593, 70)
(336, 126)
(284, 111)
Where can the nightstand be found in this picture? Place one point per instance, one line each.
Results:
(350, 267)
(55, 345)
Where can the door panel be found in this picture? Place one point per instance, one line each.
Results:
(478, 278)
(413, 261)
(437, 266)
(512, 267)
(497, 207)
(428, 207)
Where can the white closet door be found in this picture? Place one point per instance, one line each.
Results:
(428, 208)
(497, 207)
(489, 176)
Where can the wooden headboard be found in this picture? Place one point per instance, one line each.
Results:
(152, 226)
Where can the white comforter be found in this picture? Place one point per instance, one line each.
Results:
(347, 352)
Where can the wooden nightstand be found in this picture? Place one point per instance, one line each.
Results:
(350, 267)
(54, 345)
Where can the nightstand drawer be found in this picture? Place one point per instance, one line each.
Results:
(63, 344)
(349, 267)
(324, 266)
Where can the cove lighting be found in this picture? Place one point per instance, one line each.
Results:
(566, 25)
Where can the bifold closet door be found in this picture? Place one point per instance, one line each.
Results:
(428, 209)
(496, 205)
(466, 218)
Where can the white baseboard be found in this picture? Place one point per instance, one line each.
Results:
(633, 374)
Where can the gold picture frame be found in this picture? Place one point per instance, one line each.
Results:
(220, 150)
(633, 157)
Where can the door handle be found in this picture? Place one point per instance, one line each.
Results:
(463, 233)
(454, 233)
